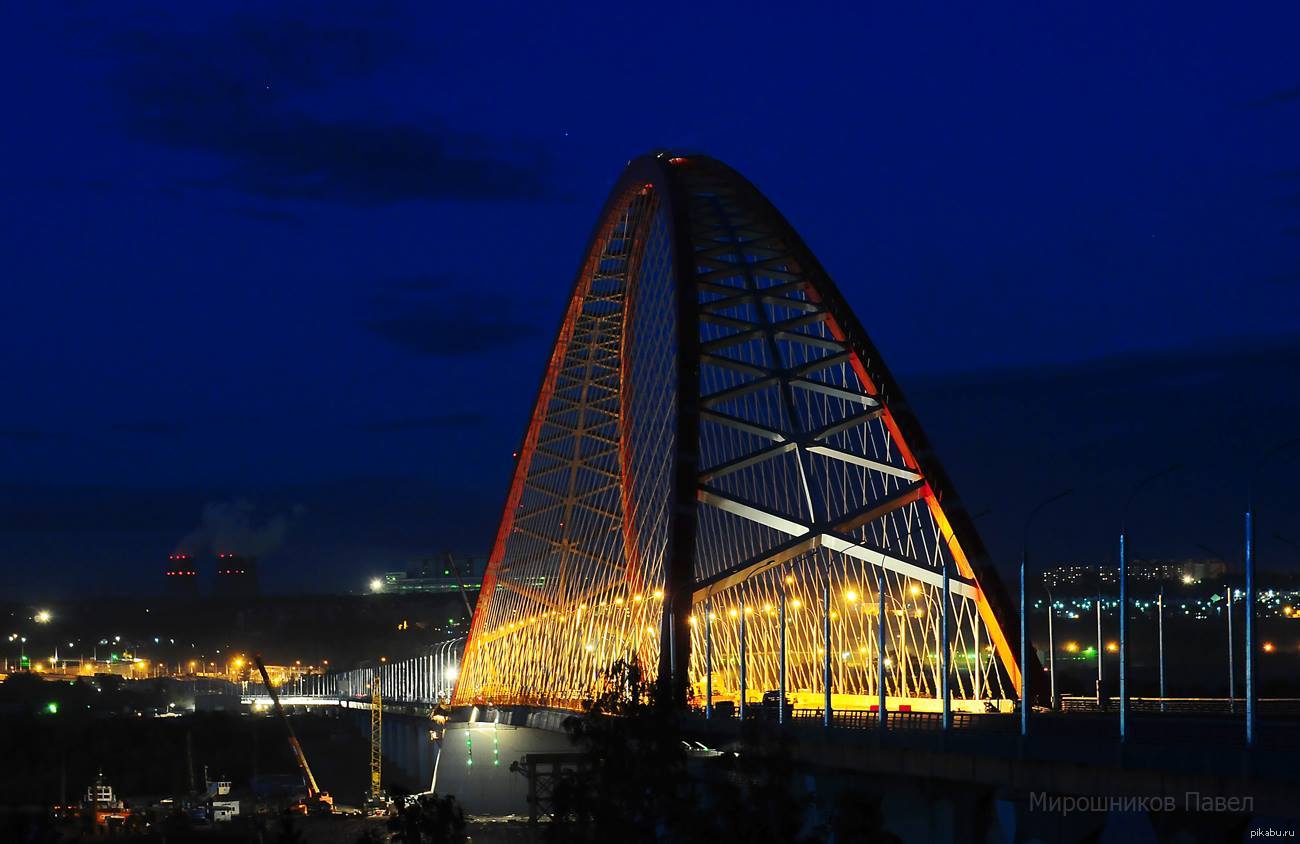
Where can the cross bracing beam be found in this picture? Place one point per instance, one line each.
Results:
(800, 546)
(753, 512)
(743, 425)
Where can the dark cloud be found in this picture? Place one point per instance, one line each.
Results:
(1290, 201)
(48, 511)
(439, 334)
(419, 315)
(268, 215)
(437, 422)
(146, 427)
(234, 89)
(24, 435)
(420, 283)
(1278, 98)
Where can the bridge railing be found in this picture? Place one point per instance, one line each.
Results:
(419, 680)
(863, 719)
(1271, 707)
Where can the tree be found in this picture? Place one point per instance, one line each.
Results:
(640, 783)
(430, 819)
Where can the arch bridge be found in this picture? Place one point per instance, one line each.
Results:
(722, 481)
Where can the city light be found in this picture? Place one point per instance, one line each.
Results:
(376, 585)
(44, 617)
(1269, 647)
(850, 596)
(1112, 647)
(1072, 647)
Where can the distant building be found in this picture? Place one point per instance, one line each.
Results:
(430, 576)
(236, 576)
(182, 577)
(1081, 578)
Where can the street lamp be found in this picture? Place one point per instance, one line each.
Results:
(1123, 597)
(1051, 635)
(1251, 691)
(44, 616)
(1024, 609)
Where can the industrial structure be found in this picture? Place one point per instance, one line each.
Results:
(722, 481)
(447, 575)
(182, 577)
(236, 576)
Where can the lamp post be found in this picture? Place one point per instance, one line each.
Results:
(882, 720)
(1160, 624)
(826, 650)
(1024, 610)
(743, 690)
(1051, 636)
(1123, 597)
(708, 659)
(1252, 692)
(781, 679)
(945, 651)
(1101, 646)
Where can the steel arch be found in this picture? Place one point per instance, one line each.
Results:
(714, 424)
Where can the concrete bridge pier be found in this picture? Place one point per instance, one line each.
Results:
(407, 746)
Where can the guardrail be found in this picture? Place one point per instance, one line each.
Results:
(1272, 707)
(419, 680)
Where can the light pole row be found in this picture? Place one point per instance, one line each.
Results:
(1251, 667)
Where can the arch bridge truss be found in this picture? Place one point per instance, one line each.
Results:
(721, 477)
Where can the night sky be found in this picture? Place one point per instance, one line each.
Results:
(285, 277)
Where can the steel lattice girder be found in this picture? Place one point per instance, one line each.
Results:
(701, 324)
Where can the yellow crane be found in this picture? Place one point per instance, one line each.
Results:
(376, 741)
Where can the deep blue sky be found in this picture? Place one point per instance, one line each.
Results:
(300, 265)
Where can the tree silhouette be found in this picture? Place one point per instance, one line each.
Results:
(641, 784)
(430, 819)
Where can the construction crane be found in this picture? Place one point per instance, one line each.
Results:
(376, 745)
(316, 800)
